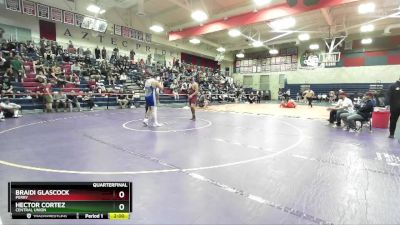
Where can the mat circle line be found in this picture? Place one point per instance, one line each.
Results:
(125, 126)
(242, 162)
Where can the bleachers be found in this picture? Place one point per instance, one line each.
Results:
(30, 86)
(101, 101)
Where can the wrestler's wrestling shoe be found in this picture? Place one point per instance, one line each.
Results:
(146, 122)
(157, 125)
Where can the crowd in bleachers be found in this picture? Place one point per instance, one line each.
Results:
(66, 78)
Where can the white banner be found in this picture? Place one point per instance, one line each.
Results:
(13, 5)
(28, 8)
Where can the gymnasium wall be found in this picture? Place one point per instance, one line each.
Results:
(360, 74)
(339, 75)
(274, 83)
(375, 64)
(64, 33)
(171, 50)
(363, 64)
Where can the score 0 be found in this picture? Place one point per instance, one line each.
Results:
(121, 196)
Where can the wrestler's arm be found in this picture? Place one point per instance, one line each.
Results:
(160, 85)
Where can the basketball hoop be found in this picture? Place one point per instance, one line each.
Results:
(332, 57)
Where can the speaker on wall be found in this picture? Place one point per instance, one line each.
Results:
(293, 3)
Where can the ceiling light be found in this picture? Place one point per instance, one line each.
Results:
(314, 46)
(261, 2)
(257, 44)
(273, 51)
(234, 33)
(199, 15)
(240, 55)
(283, 24)
(366, 8)
(366, 41)
(367, 28)
(221, 49)
(95, 9)
(157, 28)
(304, 37)
(195, 41)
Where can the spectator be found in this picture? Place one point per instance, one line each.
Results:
(123, 100)
(2, 61)
(258, 97)
(76, 68)
(100, 87)
(364, 113)
(251, 98)
(60, 100)
(9, 109)
(344, 105)
(48, 100)
(332, 97)
(112, 78)
(89, 100)
(18, 69)
(2, 117)
(6, 87)
(73, 79)
(203, 101)
(123, 78)
(175, 89)
(184, 87)
(298, 97)
(286, 95)
(73, 101)
(40, 77)
(95, 74)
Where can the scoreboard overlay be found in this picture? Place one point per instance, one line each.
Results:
(70, 200)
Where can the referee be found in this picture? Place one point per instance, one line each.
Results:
(393, 100)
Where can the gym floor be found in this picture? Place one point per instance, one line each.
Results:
(225, 168)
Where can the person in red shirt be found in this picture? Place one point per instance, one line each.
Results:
(290, 104)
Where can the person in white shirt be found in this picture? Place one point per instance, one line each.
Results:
(344, 105)
(76, 68)
(175, 89)
(287, 95)
(151, 87)
(184, 87)
(8, 108)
